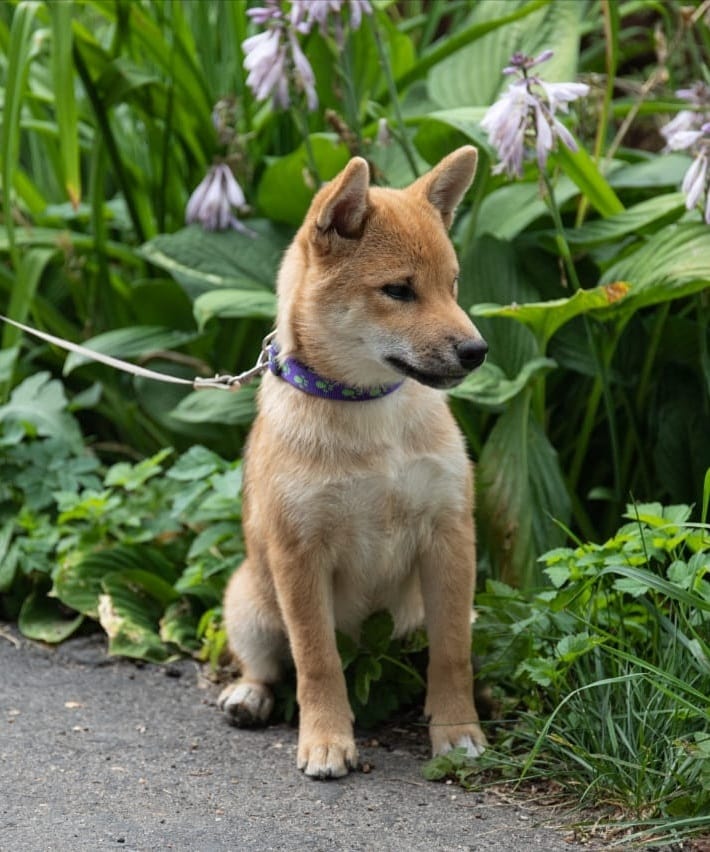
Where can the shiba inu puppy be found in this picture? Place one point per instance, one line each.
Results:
(358, 491)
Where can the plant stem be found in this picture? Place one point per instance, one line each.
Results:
(610, 14)
(602, 358)
(301, 122)
(386, 66)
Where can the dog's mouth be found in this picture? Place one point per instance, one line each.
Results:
(440, 381)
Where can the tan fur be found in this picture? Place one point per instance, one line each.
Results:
(353, 507)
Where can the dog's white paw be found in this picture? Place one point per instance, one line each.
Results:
(246, 703)
(445, 738)
(327, 759)
(473, 749)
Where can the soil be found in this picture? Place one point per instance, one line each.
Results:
(103, 753)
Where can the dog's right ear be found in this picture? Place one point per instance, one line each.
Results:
(345, 203)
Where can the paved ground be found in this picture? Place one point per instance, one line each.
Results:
(97, 753)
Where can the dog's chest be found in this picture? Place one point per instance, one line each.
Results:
(385, 511)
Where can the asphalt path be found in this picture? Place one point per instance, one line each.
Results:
(99, 753)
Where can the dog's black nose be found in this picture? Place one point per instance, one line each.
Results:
(472, 353)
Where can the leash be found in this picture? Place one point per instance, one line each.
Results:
(220, 382)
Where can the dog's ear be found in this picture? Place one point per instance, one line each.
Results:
(345, 203)
(445, 185)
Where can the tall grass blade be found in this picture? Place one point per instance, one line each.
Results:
(65, 97)
(16, 81)
(27, 278)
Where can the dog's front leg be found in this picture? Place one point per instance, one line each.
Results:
(326, 747)
(447, 571)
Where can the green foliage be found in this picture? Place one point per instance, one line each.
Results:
(143, 548)
(612, 668)
(383, 674)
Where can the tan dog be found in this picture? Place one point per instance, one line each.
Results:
(357, 505)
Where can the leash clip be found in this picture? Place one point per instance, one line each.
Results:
(233, 383)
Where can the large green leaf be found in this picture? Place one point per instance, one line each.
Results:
(130, 615)
(675, 263)
(521, 490)
(664, 171)
(232, 303)
(453, 42)
(489, 387)
(507, 211)
(218, 406)
(129, 343)
(286, 189)
(491, 270)
(473, 76)
(41, 402)
(79, 585)
(45, 620)
(544, 318)
(205, 260)
(634, 221)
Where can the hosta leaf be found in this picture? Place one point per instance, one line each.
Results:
(473, 75)
(492, 270)
(129, 342)
(675, 263)
(292, 171)
(544, 318)
(233, 303)
(202, 260)
(489, 387)
(79, 585)
(130, 617)
(45, 620)
(521, 490)
(40, 401)
(218, 406)
(178, 626)
(507, 211)
(634, 220)
(667, 170)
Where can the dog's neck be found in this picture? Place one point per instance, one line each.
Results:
(306, 380)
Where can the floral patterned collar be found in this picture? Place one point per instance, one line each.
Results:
(303, 378)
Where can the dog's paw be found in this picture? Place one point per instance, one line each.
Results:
(327, 758)
(246, 703)
(445, 738)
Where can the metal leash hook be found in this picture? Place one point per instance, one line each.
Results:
(233, 383)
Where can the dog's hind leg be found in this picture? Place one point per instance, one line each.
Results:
(257, 639)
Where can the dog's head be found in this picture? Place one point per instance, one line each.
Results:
(367, 291)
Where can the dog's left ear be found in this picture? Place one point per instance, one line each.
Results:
(445, 185)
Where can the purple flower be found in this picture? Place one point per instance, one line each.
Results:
(274, 58)
(526, 112)
(306, 13)
(690, 131)
(696, 182)
(211, 204)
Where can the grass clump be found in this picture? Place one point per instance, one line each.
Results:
(606, 675)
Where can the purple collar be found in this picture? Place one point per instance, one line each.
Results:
(301, 377)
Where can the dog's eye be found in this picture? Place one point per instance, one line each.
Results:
(400, 292)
